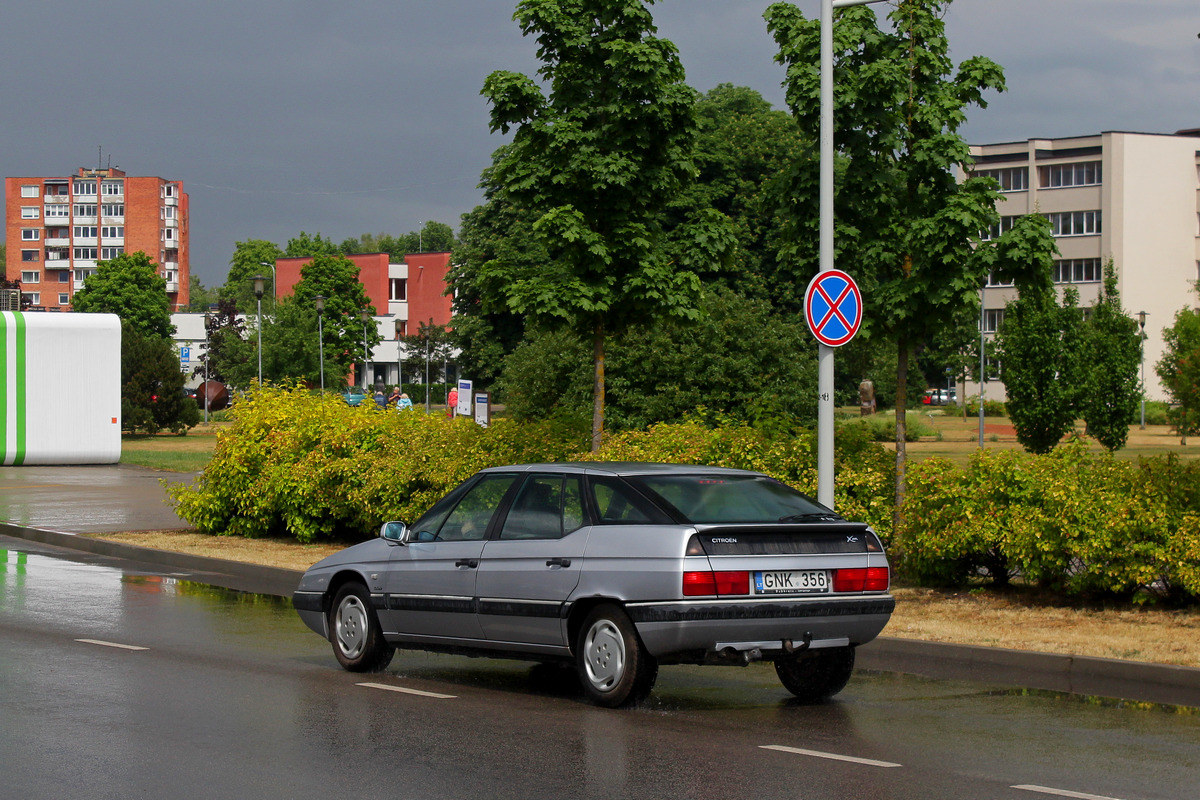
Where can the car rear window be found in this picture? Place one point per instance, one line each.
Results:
(722, 499)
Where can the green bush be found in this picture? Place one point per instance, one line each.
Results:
(882, 427)
(311, 467)
(1069, 521)
(1156, 413)
(308, 466)
(991, 408)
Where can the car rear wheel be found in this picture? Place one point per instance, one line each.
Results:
(614, 667)
(354, 631)
(816, 675)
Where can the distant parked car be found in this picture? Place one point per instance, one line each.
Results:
(617, 568)
(353, 398)
(939, 397)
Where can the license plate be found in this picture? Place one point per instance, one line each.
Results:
(800, 581)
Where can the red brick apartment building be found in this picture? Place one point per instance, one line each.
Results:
(409, 293)
(58, 228)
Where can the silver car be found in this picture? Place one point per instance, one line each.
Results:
(617, 568)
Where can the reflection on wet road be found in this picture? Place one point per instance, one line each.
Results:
(233, 697)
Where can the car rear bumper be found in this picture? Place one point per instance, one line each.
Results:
(765, 628)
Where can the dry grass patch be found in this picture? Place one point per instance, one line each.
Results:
(281, 553)
(1154, 635)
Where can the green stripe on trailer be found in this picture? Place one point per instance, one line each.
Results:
(21, 388)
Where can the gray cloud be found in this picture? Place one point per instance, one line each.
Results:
(289, 115)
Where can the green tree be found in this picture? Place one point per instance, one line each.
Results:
(335, 278)
(248, 260)
(225, 355)
(904, 221)
(304, 245)
(130, 287)
(432, 342)
(1111, 390)
(1179, 370)
(1040, 345)
(3, 260)
(200, 297)
(597, 163)
(152, 395)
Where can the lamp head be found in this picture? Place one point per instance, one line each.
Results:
(319, 302)
(259, 285)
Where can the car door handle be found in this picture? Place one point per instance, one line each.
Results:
(558, 562)
(469, 563)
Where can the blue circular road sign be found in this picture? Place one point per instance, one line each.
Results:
(833, 306)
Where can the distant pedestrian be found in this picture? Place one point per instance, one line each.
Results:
(403, 403)
(394, 397)
(452, 402)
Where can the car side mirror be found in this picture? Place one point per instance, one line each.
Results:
(394, 531)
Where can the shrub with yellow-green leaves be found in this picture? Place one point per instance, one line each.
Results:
(1069, 521)
(311, 467)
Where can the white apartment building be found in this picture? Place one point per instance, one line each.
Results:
(1131, 197)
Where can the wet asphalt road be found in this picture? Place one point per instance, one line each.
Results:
(233, 697)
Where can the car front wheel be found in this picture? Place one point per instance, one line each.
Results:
(816, 675)
(614, 667)
(354, 631)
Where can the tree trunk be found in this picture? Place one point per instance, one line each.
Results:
(598, 386)
(901, 425)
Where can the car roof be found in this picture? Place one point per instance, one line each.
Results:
(623, 468)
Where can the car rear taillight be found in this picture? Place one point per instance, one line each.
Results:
(868, 579)
(696, 584)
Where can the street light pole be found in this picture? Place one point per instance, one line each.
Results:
(366, 317)
(1142, 326)
(274, 286)
(259, 280)
(206, 319)
(320, 303)
(427, 371)
(825, 379)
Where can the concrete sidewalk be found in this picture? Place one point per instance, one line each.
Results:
(53, 505)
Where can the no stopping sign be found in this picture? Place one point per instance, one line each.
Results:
(833, 307)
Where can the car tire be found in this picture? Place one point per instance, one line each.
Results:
(816, 675)
(613, 666)
(354, 631)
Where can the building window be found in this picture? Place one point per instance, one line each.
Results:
(113, 209)
(992, 318)
(85, 188)
(109, 253)
(1003, 226)
(112, 187)
(992, 367)
(64, 276)
(85, 231)
(113, 232)
(398, 289)
(58, 210)
(1011, 179)
(1074, 223)
(64, 299)
(31, 298)
(28, 190)
(30, 212)
(85, 210)
(31, 234)
(1077, 270)
(1057, 176)
(82, 274)
(168, 190)
(31, 276)
(30, 255)
(168, 212)
(85, 254)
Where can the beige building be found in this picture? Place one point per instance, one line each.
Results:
(1131, 197)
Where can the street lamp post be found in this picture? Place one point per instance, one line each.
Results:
(1142, 327)
(825, 379)
(426, 371)
(366, 317)
(207, 317)
(274, 286)
(259, 280)
(319, 301)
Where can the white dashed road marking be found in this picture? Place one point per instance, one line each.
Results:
(403, 690)
(117, 645)
(832, 756)
(1028, 787)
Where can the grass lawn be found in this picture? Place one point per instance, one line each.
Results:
(168, 451)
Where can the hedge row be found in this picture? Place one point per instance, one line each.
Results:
(310, 467)
(1069, 521)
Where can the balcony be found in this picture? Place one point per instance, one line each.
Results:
(170, 201)
(171, 223)
(56, 198)
(58, 241)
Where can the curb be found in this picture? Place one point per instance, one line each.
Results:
(1102, 677)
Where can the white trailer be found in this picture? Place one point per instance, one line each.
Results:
(60, 401)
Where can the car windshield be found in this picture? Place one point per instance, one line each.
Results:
(723, 498)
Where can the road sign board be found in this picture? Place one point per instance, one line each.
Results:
(833, 307)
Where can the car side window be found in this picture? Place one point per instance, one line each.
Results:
(469, 519)
(616, 502)
(547, 507)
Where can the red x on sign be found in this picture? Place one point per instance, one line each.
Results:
(833, 306)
